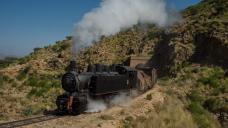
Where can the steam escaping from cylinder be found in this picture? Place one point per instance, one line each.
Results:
(113, 16)
(95, 105)
(123, 98)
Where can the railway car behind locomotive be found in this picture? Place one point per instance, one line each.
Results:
(99, 81)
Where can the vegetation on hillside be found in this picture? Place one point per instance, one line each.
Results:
(191, 57)
(203, 90)
(171, 114)
(7, 61)
(202, 36)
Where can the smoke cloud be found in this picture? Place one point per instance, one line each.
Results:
(97, 105)
(114, 16)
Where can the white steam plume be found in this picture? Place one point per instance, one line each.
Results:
(115, 15)
(97, 105)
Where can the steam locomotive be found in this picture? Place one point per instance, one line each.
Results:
(99, 81)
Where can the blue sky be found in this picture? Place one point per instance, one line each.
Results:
(26, 24)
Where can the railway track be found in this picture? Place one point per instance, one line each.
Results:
(28, 121)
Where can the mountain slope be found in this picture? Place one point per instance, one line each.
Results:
(37, 75)
(191, 57)
(200, 37)
(156, 111)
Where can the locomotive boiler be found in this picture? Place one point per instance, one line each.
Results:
(99, 81)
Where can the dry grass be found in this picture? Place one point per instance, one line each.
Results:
(171, 114)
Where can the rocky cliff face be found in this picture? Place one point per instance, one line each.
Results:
(210, 50)
(201, 37)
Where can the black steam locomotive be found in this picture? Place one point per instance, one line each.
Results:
(99, 81)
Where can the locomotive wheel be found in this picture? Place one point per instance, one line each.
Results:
(79, 106)
(61, 105)
(79, 110)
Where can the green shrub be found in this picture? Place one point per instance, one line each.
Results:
(224, 88)
(56, 84)
(60, 47)
(141, 119)
(216, 91)
(36, 49)
(213, 78)
(26, 70)
(153, 35)
(11, 80)
(42, 91)
(46, 47)
(54, 64)
(7, 61)
(169, 92)
(32, 92)
(1, 93)
(23, 73)
(64, 46)
(33, 81)
(214, 104)
(195, 107)
(41, 85)
(14, 84)
(106, 117)
(38, 92)
(69, 37)
(21, 76)
(195, 70)
(199, 115)
(128, 122)
(148, 97)
(166, 78)
(55, 48)
(195, 96)
(211, 81)
(25, 59)
(3, 79)
(28, 111)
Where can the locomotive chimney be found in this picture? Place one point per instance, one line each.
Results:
(72, 66)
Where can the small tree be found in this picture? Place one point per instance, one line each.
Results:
(36, 49)
(69, 37)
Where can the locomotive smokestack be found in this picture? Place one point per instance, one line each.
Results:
(72, 66)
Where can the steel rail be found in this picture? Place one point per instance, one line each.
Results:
(28, 121)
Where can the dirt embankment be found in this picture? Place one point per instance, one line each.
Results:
(125, 115)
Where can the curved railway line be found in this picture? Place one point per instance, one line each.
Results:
(28, 121)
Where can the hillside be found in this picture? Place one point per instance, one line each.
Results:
(37, 75)
(152, 109)
(201, 37)
(191, 57)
